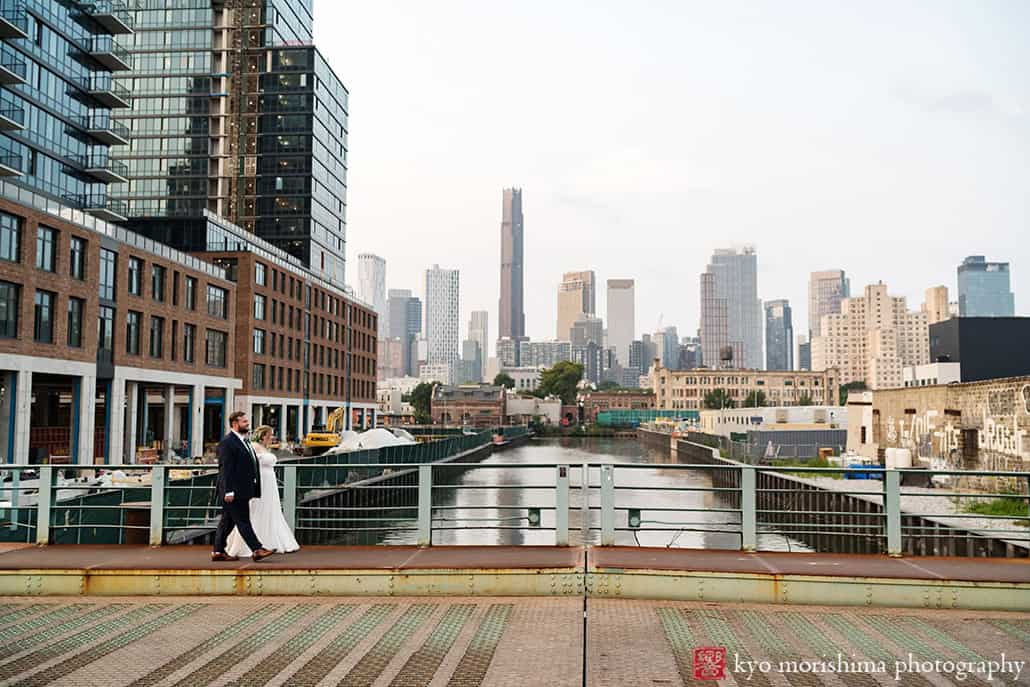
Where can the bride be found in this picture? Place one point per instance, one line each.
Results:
(266, 513)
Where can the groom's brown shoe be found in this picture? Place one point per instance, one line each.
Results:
(260, 554)
(219, 556)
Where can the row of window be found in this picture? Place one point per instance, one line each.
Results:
(44, 314)
(287, 379)
(217, 297)
(46, 247)
(215, 342)
(313, 298)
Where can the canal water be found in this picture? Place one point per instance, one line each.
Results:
(490, 503)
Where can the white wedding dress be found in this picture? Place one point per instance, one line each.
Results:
(266, 514)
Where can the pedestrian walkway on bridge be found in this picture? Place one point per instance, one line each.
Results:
(595, 571)
(465, 642)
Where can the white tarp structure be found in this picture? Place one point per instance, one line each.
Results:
(373, 438)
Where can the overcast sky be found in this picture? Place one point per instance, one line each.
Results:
(890, 139)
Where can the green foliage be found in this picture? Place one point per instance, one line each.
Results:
(421, 401)
(561, 380)
(850, 386)
(755, 399)
(810, 463)
(504, 379)
(1015, 507)
(608, 385)
(805, 399)
(716, 399)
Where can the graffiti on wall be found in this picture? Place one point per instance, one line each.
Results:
(938, 442)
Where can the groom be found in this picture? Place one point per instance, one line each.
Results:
(238, 483)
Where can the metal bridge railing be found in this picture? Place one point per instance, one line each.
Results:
(359, 498)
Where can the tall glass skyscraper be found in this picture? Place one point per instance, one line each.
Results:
(984, 289)
(235, 112)
(779, 335)
(731, 312)
(56, 97)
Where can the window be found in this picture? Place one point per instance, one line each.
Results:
(259, 307)
(216, 342)
(46, 240)
(174, 338)
(157, 283)
(105, 334)
(175, 288)
(43, 331)
(189, 342)
(191, 293)
(260, 274)
(135, 277)
(76, 306)
(216, 302)
(10, 301)
(259, 341)
(132, 332)
(258, 377)
(78, 258)
(157, 330)
(108, 272)
(10, 237)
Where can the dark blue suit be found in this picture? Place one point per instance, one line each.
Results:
(238, 475)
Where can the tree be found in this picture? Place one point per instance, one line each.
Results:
(805, 399)
(608, 385)
(561, 380)
(421, 401)
(504, 379)
(717, 399)
(755, 399)
(850, 386)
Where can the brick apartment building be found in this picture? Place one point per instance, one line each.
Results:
(595, 402)
(287, 317)
(477, 405)
(180, 340)
(107, 341)
(686, 389)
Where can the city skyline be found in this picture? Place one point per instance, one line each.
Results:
(809, 193)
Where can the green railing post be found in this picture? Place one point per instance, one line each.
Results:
(290, 495)
(607, 505)
(157, 505)
(748, 515)
(561, 506)
(46, 483)
(892, 511)
(15, 494)
(425, 505)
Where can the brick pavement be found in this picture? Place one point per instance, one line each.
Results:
(467, 642)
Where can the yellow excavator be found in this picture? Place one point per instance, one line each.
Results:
(320, 441)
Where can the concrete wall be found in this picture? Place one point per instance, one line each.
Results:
(975, 426)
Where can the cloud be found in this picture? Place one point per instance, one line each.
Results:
(969, 102)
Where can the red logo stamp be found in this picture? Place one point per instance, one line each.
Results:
(709, 663)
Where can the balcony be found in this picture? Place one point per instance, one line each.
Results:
(102, 168)
(14, 20)
(106, 209)
(104, 50)
(12, 117)
(12, 67)
(112, 15)
(99, 205)
(103, 128)
(10, 164)
(106, 91)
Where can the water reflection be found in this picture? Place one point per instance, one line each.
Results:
(489, 503)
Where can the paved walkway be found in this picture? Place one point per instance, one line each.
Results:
(497, 641)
